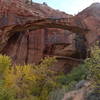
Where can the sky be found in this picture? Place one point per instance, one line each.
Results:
(68, 6)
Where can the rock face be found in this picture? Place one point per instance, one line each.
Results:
(83, 92)
(26, 46)
(91, 17)
(26, 37)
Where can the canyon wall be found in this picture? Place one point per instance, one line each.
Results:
(28, 46)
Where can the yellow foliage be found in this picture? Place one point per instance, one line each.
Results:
(5, 62)
(20, 78)
(29, 81)
(16, 74)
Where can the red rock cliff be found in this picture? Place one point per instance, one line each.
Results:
(28, 46)
(91, 17)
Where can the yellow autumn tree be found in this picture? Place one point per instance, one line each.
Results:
(30, 82)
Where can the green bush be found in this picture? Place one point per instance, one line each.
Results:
(93, 66)
(6, 94)
(77, 74)
(68, 81)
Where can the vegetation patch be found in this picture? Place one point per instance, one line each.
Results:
(38, 82)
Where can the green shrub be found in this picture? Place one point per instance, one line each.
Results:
(6, 94)
(93, 66)
(68, 81)
(77, 74)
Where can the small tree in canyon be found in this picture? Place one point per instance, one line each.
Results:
(27, 82)
(93, 66)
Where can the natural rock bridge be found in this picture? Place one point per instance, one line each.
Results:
(27, 34)
(62, 23)
(24, 38)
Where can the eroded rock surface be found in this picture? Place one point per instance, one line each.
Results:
(91, 17)
(26, 38)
